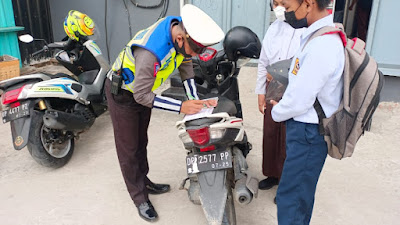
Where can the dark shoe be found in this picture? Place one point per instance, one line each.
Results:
(268, 183)
(147, 211)
(156, 189)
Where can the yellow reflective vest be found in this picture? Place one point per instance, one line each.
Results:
(158, 40)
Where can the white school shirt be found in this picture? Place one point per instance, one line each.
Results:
(281, 42)
(315, 72)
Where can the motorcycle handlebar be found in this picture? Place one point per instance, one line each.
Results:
(56, 45)
(40, 51)
(59, 45)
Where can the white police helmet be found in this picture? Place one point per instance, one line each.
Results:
(200, 27)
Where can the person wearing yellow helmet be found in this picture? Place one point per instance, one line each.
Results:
(78, 26)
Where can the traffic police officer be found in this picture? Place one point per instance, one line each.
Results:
(141, 67)
(316, 72)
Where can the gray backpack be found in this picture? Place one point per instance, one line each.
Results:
(363, 83)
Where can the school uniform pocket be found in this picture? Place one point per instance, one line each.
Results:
(295, 131)
(312, 135)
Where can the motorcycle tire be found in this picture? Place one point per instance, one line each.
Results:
(229, 214)
(42, 154)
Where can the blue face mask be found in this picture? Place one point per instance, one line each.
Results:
(290, 18)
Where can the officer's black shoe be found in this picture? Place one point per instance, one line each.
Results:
(268, 183)
(156, 189)
(147, 212)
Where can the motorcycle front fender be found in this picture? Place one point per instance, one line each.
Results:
(213, 194)
(20, 132)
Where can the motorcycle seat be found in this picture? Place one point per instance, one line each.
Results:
(5, 84)
(224, 105)
(62, 75)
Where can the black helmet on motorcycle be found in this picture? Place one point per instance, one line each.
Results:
(241, 42)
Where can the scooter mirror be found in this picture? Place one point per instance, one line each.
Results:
(26, 38)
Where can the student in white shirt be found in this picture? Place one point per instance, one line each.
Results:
(316, 72)
(281, 42)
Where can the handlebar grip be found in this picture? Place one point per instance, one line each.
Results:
(59, 45)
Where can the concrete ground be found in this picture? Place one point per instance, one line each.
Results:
(364, 189)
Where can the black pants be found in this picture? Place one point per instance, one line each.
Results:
(130, 121)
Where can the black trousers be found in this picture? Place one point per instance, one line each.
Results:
(130, 121)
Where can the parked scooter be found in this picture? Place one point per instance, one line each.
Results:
(48, 112)
(217, 143)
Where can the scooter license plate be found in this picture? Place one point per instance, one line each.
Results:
(15, 113)
(201, 162)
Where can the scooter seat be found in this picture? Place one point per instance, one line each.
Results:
(224, 105)
(62, 75)
(201, 122)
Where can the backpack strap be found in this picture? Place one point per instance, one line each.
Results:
(325, 31)
(321, 116)
(329, 30)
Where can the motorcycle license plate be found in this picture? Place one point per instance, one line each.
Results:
(206, 161)
(16, 112)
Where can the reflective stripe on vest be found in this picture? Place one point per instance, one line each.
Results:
(155, 40)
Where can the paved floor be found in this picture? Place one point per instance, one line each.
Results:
(364, 189)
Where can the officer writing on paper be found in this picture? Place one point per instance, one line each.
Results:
(315, 73)
(142, 66)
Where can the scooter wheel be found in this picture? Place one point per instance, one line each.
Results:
(47, 152)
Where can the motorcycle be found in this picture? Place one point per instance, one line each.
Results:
(217, 144)
(48, 112)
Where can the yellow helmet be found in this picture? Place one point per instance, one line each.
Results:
(78, 25)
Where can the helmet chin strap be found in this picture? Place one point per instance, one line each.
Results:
(182, 49)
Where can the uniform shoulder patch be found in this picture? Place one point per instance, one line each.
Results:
(156, 68)
(296, 66)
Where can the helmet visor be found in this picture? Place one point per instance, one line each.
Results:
(96, 34)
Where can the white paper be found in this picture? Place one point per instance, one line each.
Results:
(203, 112)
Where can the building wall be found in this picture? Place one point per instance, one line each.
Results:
(113, 14)
(254, 14)
(34, 17)
(8, 36)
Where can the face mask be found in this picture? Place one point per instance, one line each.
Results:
(181, 50)
(290, 18)
(280, 13)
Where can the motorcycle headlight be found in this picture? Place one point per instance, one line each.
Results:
(216, 133)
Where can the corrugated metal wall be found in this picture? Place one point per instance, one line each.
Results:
(34, 15)
(254, 14)
(383, 36)
(122, 17)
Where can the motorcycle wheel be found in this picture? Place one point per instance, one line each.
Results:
(44, 148)
(229, 214)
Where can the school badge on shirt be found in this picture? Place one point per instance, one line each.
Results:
(296, 66)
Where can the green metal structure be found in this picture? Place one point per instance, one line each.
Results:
(8, 30)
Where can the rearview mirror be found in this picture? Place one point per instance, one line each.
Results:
(26, 38)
